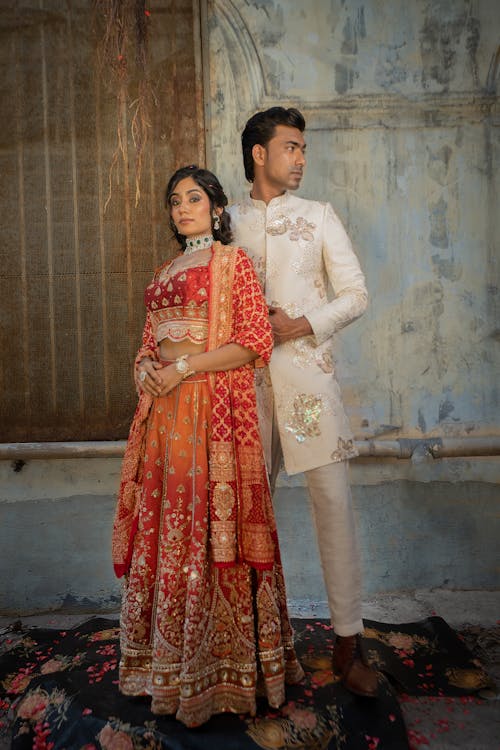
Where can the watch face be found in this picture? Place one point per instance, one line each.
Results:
(181, 366)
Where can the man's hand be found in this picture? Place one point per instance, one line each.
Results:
(286, 328)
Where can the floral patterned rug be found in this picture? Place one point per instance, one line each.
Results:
(59, 692)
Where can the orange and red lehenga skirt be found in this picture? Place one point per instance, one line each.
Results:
(195, 637)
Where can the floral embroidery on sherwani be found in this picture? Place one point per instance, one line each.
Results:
(302, 230)
(345, 450)
(304, 414)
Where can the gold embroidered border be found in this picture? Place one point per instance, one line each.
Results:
(221, 462)
(224, 501)
(251, 464)
(257, 541)
(223, 540)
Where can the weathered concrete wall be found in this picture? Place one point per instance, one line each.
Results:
(55, 530)
(420, 526)
(402, 115)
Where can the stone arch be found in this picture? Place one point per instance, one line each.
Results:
(235, 88)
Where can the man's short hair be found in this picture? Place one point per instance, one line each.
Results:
(261, 127)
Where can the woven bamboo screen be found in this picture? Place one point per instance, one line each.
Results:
(73, 270)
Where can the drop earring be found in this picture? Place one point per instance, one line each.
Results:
(216, 222)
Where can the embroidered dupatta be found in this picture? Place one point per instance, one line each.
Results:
(242, 526)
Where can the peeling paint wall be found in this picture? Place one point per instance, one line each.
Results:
(56, 518)
(421, 526)
(402, 129)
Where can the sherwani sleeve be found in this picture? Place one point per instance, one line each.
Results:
(346, 277)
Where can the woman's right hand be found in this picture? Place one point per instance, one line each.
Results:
(146, 377)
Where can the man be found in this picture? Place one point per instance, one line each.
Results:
(299, 247)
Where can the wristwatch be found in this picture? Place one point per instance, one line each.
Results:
(182, 366)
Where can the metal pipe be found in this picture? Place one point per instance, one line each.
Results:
(90, 449)
(406, 448)
(472, 446)
(402, 448)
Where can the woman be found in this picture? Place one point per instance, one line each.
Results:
(204, 608)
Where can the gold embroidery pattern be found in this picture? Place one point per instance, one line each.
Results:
(302, 230)
(255, 534)
(251, 464)
(220, 314)
(221, 462)
(223, 539)
(306, 353)
(278, 224)
(308, 262)
(345, 450)
(326, 362)
(182, 321)
(304, 416)
(195, 331)
(224, 501)
(295, 309)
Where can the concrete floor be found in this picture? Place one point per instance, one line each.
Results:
(433, 723)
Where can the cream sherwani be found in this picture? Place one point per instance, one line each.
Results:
(302, 253)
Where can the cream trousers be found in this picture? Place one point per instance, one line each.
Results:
(333, 518)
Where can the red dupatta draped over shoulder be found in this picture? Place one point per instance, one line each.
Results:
(242, 527)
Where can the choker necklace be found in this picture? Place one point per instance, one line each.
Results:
(198, 242)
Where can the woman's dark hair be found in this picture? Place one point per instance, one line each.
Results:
(212, 187)
(261, 128)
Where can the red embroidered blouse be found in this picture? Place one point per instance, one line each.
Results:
(178, 305)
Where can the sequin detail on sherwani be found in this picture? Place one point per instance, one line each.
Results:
(195, 634)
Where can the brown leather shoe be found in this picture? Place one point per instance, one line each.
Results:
(350, 663)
